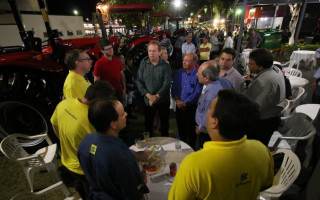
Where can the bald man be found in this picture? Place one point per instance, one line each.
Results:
(186, 90)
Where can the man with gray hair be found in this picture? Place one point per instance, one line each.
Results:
(208, 75)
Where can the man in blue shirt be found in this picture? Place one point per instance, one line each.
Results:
(316, 80)
(208, 75)
(108, 165)
(186, 90)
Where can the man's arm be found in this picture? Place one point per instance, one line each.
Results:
(166, 82)
(193, 98)
(123, 82)
(183, 186)
(56, 131)
(140, 80)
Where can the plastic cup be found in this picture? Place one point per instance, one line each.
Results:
(146, 136)
(177, 144)
(138, 143)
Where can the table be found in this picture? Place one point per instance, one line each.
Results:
(297, 81)
(309, 109)
(306, 56)
(160, 183)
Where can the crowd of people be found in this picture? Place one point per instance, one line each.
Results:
(232, 123)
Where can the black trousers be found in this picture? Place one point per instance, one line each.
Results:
(80, 182)
(186, 124)
(263, 129)
(149, 113)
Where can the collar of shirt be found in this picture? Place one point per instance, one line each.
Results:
(105, 58)
(159, 63)
(230, 71)
(225, 145)
(192, 72)
(77, 76)
(210, 85)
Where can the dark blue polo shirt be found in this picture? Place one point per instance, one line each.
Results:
(111, 168)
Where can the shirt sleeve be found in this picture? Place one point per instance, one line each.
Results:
(166, 82)
(128, 178)
(193, 98)
(54, 117)
(140, 80)
(183, 187)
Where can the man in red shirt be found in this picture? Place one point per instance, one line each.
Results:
(109, 68)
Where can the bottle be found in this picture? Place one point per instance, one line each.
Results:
(173, 169)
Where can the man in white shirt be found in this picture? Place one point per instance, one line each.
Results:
(188, 46)
(228, 43)
(214, 44)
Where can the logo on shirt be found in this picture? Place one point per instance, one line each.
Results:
(243, 180)
(93, 149)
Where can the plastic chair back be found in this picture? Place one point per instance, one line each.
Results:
(296, 94)
(295, 72)
(287, 174)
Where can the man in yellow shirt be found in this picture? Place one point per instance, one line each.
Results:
(70, 123)
(204, 50)
(79, 64)
(229, 166)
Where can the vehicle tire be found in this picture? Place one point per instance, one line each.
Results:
(138, 53)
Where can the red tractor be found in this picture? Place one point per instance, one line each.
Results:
(32, 77)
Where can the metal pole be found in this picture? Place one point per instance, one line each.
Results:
(244, 6)
(275, 15)
(299, 24)
(22, 31)
(101, 24)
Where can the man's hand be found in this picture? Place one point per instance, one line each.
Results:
(141, 155)
(197, 130)
(180, 104)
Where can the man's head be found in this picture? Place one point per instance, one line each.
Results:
(226, 59)
(164, 54)
(205, 40)
(129, 61)
(229, 34)
(105, 47)
(208, 72)
(189, 38)
(189, 61)
(215, 33)
(107, 116)
(78, 61)
(231, 115)
(99, 89)
(122, 59)
(253, 32)
(154, 49)
(164, 36)
(260, 59)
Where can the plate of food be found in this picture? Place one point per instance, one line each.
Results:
(155, 150)
(153, 165)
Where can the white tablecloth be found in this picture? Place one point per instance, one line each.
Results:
(306, 56)
(309, 109)
(297, 81)
(160, 183)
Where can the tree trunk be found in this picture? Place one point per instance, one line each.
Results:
(294, 11)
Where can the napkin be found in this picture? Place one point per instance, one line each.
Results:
(136, 149)
(171, 146)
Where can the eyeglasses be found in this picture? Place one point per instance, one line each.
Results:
(84, 59)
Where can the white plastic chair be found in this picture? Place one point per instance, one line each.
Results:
(296, 97)
(288, 65)
(43, 158)
(295, 72)
(296, 128)
(287, 174)
(285, 111)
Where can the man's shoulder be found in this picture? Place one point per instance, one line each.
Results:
(225, 83)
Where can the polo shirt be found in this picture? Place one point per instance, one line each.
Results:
(71, 118)
(109, 70)
(235, 79)
(205, 55)
(224, 170)
(110, 168)
(75, 85)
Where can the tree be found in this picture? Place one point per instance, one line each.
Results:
(294, 11)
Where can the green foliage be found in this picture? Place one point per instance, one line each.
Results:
(287, 49)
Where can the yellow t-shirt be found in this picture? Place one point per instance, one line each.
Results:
(224, 170)
(75, 86)
(71, 117)
(205, 55)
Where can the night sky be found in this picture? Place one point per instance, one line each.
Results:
(66, 7)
